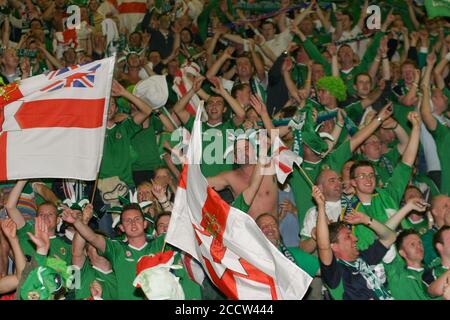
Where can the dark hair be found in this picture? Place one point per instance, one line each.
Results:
(437, 237)
(267, 21)
(266, 215)
(358, 164)
(135, 32)
(38, 20)
(131, 206)
(402, 236)
(334, 228)
(162, 214)
(362, 74)
(238, 87)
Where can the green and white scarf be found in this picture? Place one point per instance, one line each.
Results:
(373, 279)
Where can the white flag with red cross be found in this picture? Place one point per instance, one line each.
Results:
(284, 160)
(233, 251)
(53, 126)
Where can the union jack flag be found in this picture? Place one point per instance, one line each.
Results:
(76, 80)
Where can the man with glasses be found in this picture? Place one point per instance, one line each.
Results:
(382, 203)
(123, 255)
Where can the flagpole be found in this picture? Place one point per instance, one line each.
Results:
(308, 179)
(164, 246)
(167, 114)
(95, 190)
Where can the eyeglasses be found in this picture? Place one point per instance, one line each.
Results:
(363, 176)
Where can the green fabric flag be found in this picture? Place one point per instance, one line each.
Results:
(438, 8)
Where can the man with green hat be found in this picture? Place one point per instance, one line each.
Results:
(314, 160)
(60, 246)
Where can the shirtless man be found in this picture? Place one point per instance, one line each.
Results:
(266, 200)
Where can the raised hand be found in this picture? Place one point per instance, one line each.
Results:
(318, 196)
(386, 112)
(356, 217)
(414, 118)
(431, 59)
(117, 89)
(228, 53)
(258, 105)
(288, 206)
(218, 86)
(197, 84)
(69, 215)
(332, 50)
(417, 204)
(96, 289)
(9, 228)
(41, 237)
(88, 212)
(159, 191)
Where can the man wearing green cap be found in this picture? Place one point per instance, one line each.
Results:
(314, 161)
(60, 246)
(123, 255)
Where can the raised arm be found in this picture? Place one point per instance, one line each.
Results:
(84, 230)
(45, 192)
(410, 154)
(78, 242)
(325, 21)
(144, 110)
(257, 61)
(55, 62)
(9, 229)
(323, 234)
(11, 204)
(257, 177)
(386, 235)
(232, 102)
(180, 106)
(368, 130)
(412, 14)
(292, 88)
(6, 33)
(219, 62)
(363, 15)
(413, 204)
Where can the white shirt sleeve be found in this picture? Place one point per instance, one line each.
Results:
(227, 84)
(310, 222)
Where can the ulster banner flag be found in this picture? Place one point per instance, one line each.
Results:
(53, 126)
(233, 251)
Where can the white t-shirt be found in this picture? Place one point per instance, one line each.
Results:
(278, 44)
(333, 211)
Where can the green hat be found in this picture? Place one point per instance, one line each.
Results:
(314, 142)
(335, 85)
(41, 284)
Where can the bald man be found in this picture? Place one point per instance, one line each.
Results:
(440, 211)
(330, 184)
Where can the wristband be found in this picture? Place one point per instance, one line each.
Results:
(380, 119)
(370, 222)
